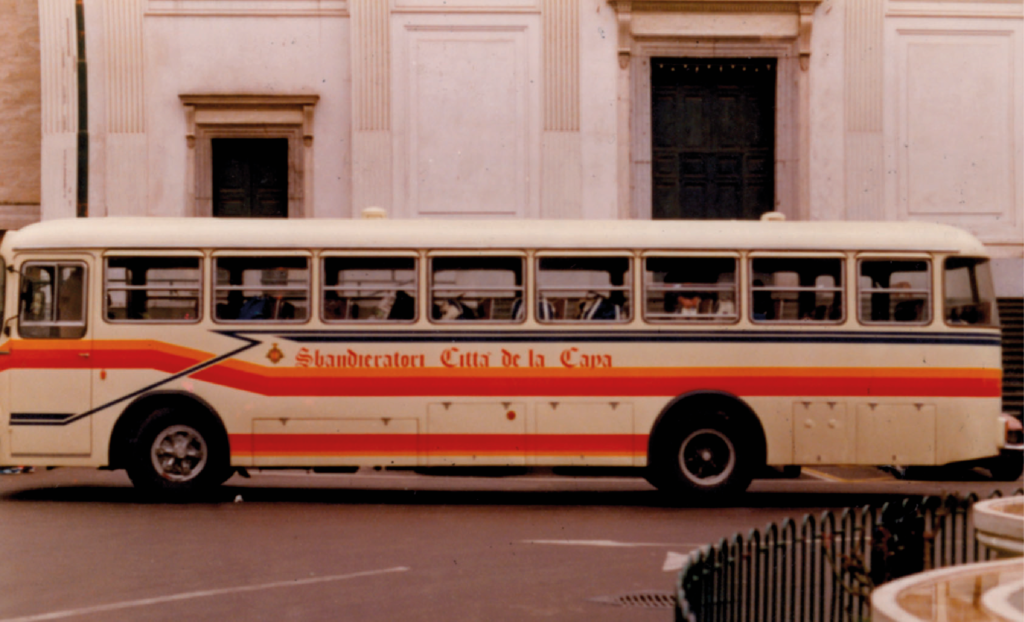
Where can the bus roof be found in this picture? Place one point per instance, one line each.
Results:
(187, 233)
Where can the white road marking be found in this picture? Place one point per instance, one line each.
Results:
(834, 478)
(603, 543)
(822, 476)
(145, 602)
(673, 562)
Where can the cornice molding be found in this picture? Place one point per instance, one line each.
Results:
(248, 99)
(300, 105)
(717, 6)
(246, 8)
(210, 116)
(802, 10)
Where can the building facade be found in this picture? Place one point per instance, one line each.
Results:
(819, 109)
(20, 113)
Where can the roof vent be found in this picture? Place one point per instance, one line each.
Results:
(773, 216)
(374, 213)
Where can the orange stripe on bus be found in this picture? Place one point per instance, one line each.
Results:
(324, 444)
(492, 382)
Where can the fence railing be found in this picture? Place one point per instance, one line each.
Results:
(823, 569)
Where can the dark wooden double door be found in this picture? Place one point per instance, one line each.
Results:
(713, 137)
(250, 177)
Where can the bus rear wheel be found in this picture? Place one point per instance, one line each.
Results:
(704, 457)
(176, 452)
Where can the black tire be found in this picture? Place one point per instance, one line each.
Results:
(704, 456)
(1006, 467)
(954, 472)
(177, 452)
(792, 471)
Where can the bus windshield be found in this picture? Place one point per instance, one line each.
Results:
(970, 294)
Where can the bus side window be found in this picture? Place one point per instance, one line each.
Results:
(477, 288)
(894, 291)
(374, 289)
(152, 289)
(52, 301)
(689, 289)
(261, 289)
(797, 289)
(580, 289)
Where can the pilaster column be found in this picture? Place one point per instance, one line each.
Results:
(122, 162)
(865, 150)
(561, 172)
(372, 183)
(59, 68)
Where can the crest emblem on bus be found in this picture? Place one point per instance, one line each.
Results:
(275, 355)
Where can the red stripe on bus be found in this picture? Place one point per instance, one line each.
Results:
(119, 354)
(586, 444)
(473, 444)
(155, 359)
(437, 444)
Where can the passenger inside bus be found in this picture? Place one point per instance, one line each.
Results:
(598, 307)
(906, 307)
(403, 308)
(690, 305)
(545, 310)
(267, 307)
(686, 304)
(762, 302)
(452, 309)
(726, 304)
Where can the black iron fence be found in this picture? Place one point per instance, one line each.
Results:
(824, 569)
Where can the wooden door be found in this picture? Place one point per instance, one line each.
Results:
(713, 136)
(250, 177)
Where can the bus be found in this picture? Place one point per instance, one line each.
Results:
(691, 353)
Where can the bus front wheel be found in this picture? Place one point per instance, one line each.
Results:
(704, 456)
(177, 452)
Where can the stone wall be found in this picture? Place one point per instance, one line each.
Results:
(20, 117)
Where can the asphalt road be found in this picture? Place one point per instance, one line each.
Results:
(80, 545)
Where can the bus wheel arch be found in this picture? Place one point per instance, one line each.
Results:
(705, 442)
(171, 418)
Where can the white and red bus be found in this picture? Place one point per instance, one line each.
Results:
(184, 350)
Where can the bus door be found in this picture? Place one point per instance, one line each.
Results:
(50, 391)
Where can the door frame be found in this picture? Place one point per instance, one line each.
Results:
(53, 431)
(248, 116)
(791, 123)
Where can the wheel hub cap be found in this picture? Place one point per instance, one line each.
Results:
(179, 453)
(707, 457)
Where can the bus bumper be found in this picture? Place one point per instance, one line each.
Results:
(1014, 430)
(1008, 466)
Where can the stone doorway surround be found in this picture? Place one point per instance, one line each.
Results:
(248, 116)
(717, 29)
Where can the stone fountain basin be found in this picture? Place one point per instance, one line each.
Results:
(1000, 525)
